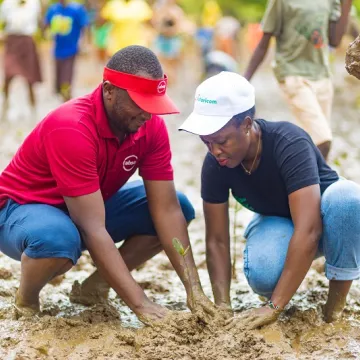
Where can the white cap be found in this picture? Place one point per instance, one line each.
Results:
(217, 100)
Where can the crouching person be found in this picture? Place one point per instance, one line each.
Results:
(302, 208)
(66, 190)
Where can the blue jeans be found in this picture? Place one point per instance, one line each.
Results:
(268, 238)
(44, 231)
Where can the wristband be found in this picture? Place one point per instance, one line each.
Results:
(273, 306)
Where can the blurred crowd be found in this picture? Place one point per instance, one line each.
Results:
(108, 26)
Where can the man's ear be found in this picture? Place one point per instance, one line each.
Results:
(109, 89)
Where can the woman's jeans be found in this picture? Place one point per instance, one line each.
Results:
(268, 238)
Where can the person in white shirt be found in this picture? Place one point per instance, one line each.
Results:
(21, 19)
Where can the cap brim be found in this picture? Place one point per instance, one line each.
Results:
(204, 125)
(153, 104)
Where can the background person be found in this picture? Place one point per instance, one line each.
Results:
(21, 19)
(67, 22)
(302, 58)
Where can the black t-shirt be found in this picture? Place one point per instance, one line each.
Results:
(289, 161)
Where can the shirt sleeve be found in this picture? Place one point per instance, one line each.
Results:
(157, 162)
(3, 10)
(72, 156)
(214, 187)
(335, 10)
(298, 164)
(84, 17)
(271, 22)
(49, 15)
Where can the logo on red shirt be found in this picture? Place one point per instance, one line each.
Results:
(161, 87)
(130, 162)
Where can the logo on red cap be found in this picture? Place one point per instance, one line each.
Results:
(161, 87)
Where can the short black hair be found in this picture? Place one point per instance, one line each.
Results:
(239, 118)
(135, 59)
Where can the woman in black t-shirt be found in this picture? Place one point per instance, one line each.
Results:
(302, 209)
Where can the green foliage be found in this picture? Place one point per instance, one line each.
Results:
(244, 10)
(179, 247)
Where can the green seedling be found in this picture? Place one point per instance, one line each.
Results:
(183, 252)
(179, 247)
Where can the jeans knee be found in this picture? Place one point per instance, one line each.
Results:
(261, 284)
(342, 198)
(261, 279)
(59, 242)
(186, 206)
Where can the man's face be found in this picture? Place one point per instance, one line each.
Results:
(124, 115)
(230, 144)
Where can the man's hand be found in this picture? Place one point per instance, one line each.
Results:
(201, 306)
(254, 318)
(149, 312)
(225, 310)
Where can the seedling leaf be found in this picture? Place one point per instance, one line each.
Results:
(178, 246)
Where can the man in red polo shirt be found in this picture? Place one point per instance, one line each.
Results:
(65, 191)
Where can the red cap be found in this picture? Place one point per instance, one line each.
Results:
(148, 94)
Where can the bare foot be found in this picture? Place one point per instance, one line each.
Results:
(24, 309)
(88, 295)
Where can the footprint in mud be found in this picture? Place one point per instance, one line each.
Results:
(5, 274)
(150, 285)
(100, 313)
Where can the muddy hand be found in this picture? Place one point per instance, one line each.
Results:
(150, 313)
(225, 310)
(200, 305)
(254, 318)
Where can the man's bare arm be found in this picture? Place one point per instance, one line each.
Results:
(170, 223)
(337, 29)
(258, 56)
(88, 213)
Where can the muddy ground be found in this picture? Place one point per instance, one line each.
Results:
(110, 331)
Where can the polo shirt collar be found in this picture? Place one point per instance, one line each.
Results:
(102, 122)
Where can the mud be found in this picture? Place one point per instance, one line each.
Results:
(352, 59)
(109, 330)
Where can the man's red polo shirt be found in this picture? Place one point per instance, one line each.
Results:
(73, 152)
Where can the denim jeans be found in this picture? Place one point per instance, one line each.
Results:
(44, 231)
(268, 238)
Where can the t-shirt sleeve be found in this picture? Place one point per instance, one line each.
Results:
(72, 155)
(214, 185)
(49, 15)
(271, 22)
(335, 10)
(83, 17)
(298, 163)
(156, 164)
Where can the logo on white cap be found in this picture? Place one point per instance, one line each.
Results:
(130, 162)
(217, 100)
(161, 87)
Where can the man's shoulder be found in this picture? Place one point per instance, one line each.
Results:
(155, 124)
(77, 114)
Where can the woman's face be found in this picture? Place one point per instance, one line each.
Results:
(230, 144)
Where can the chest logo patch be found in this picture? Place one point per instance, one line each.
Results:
(130, 162)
